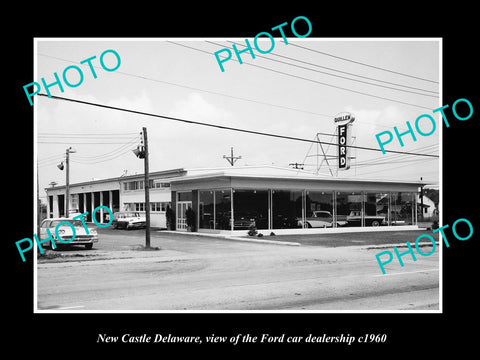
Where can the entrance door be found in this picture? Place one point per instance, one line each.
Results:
(182, 207)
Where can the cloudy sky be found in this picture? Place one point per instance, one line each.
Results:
(295, 90)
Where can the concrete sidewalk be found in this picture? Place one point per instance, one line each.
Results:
(253, 239)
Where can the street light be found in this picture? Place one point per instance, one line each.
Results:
(141, 152)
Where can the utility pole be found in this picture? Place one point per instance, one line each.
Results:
(232, 158)
(67, 180)
(67, 184)
(421, 199)
(39, 207)
(147, 190)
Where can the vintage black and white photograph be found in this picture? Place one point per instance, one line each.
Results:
(269, 174)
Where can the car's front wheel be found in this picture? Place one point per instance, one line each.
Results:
(88, 246)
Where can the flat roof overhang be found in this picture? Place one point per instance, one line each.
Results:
(223, 180)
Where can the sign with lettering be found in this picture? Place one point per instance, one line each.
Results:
(343, 159)
(344, 118)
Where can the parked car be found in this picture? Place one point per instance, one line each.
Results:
(321, 219)
(128, 220)
(242, 221)
(355, 219)
(65, 232)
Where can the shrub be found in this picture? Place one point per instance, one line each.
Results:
(252, 230)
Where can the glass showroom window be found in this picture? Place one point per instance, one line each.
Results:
(250, 207)
(376, 209)
(184, 196)
(223, 209)
(349, 208)
(318, 209)
(286, 209)
(402, 207)
(206, 210)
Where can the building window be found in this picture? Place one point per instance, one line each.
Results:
(184, 196)
(222, 209)
(349, 209)
(158, 206)
(134, 185)
(402, 207)
(376, 209)
(159, 185)
(287, 209)
(319, 209)
(206, 210)
(250, 207)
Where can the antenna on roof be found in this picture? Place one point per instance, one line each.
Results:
(231, 159)
(296, 166)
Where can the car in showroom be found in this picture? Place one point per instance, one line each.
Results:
(355, 219)
(321, 219)
(128, 220)
(83, 235)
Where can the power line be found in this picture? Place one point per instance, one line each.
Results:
(87, 134)
(111, 157)
(218, 93)
(383, 170)
(346, 72)
(339, 76)
(109, 153)
(120, 151)
(315, 81)
(90, 137)
(206, 91)
(50, 157)
(364, 64)
(78, 143)
(221, 126)
(389, 162)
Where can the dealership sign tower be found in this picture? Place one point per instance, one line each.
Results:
(344, 123)
(326, 144)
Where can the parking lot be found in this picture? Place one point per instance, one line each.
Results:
(120, 239)
(194, 272)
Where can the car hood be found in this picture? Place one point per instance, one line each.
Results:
(79, 230)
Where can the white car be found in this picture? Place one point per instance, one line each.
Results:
(128, 220)
(65, 232)
(321, 219)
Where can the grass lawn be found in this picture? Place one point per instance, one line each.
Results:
(361, 238)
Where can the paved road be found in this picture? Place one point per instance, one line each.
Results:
(191, 272)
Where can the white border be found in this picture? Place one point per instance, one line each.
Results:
(71, 310)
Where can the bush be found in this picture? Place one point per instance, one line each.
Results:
(260, 235)
(252, 230)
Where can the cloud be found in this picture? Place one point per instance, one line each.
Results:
(195, 107)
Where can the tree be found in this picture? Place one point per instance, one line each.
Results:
(190, 215)
(170, 217)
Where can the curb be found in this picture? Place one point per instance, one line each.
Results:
(402, 245)
(236, 238)
(263, 241)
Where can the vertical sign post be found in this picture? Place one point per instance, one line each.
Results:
(147, 191)
(343, 159)
(344, 121)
